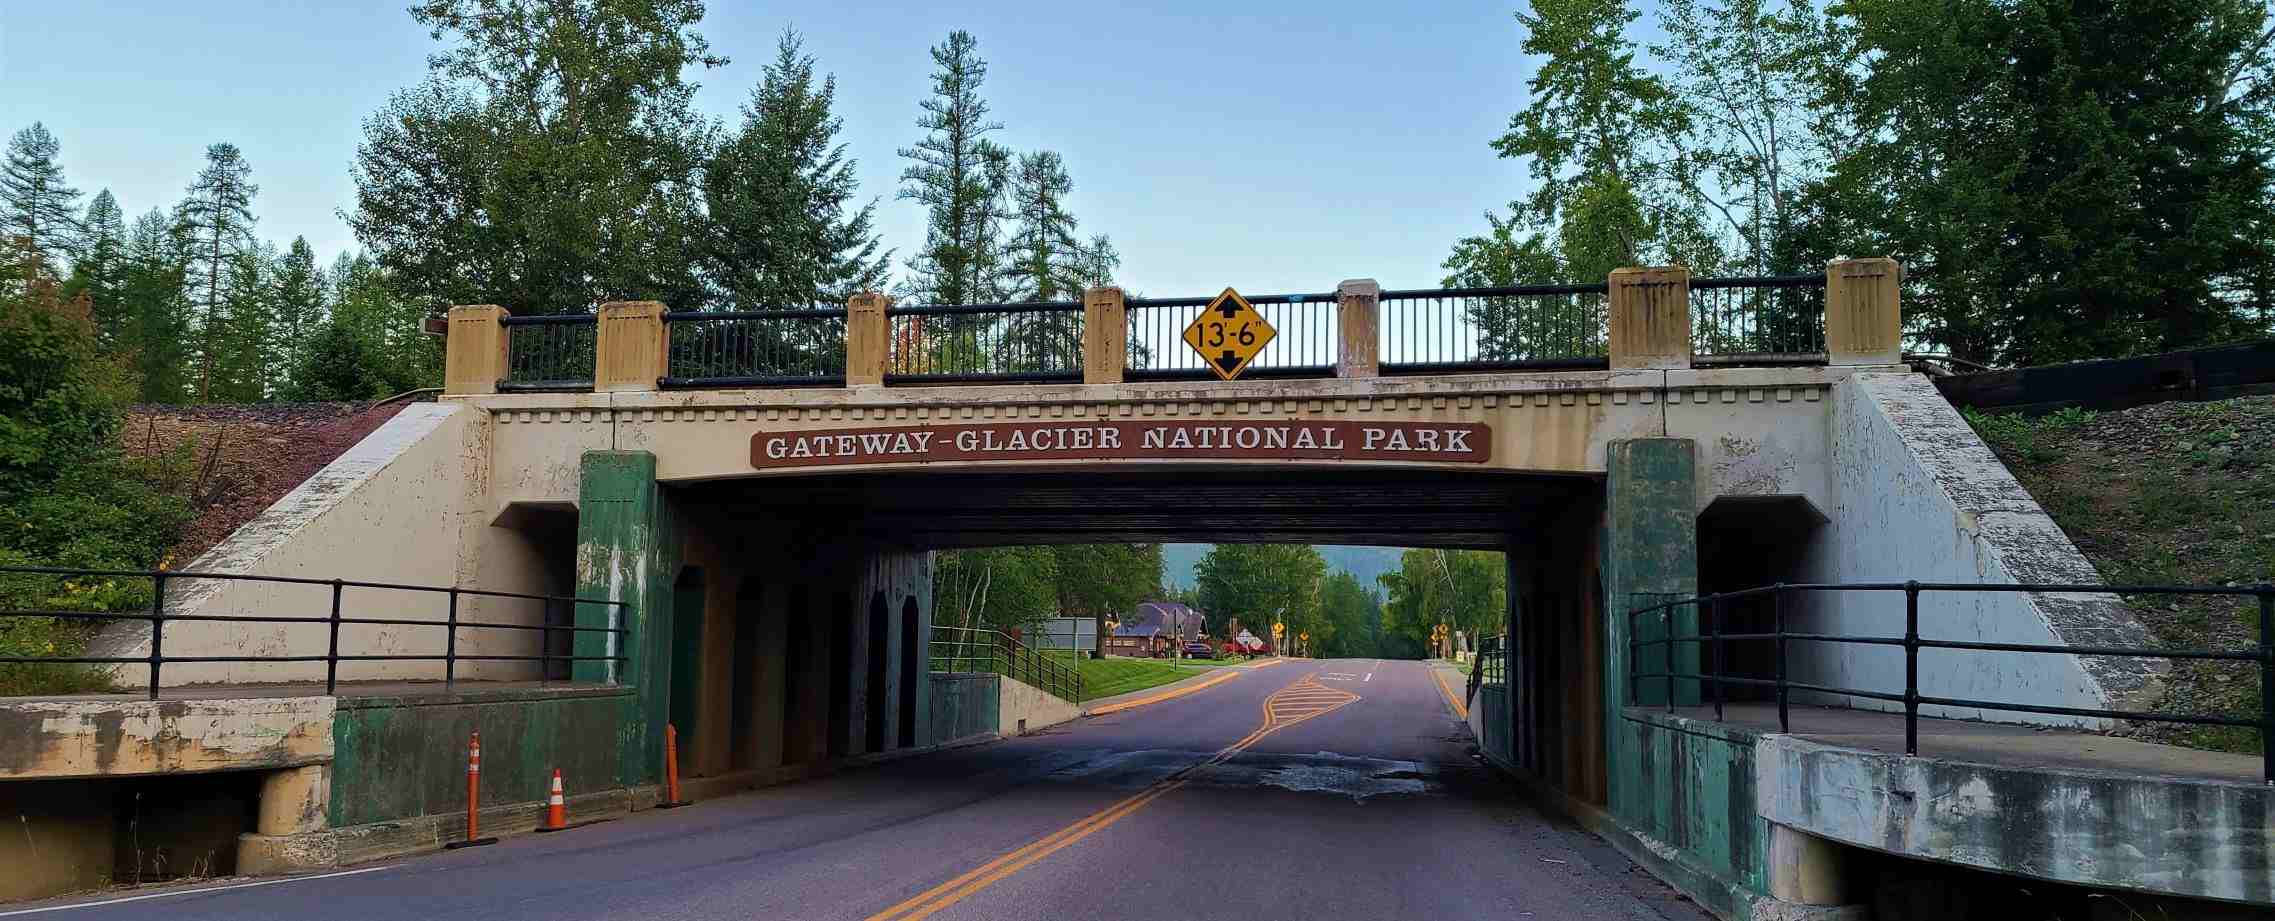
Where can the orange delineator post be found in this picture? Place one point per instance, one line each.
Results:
(473, 796)
(556, 808)
(671, 770)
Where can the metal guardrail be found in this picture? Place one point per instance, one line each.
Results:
(1711, 680)
(1514, 328)
(755, 348)
(1776, 319)
(551, 352)
(974, 650)
(158, 617)
(1306, 341)
(985, 343)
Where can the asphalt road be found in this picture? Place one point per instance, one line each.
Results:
(1312, 789)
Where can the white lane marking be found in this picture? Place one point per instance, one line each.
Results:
(1370, 676)
(1338, 676)
(162, 895)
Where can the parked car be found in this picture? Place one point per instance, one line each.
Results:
(1195, 649)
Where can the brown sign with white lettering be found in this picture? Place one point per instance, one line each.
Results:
(1447, 442)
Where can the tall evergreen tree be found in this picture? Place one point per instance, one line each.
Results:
(36, 204)
(1045, 253)
(98, 271)
(217, 218)
(244, 360)
(157, 323)
(780, 192)
(960, 177)
(549, 161)
(296, 305)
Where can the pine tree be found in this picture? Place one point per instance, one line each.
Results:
(36, 206)
(244, 362)
(548, 163)
(157, 322)
(296, 299)
(1046, 259)
(217, 217)
(99, 269)
(779, 193)
(960, 177)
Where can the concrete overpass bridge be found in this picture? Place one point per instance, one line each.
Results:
(752, 498)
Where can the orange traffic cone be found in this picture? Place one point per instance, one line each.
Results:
(556, 808)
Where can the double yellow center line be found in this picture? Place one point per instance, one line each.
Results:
(1305, 699)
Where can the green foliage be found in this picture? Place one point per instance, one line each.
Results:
(1466, 590)
(998, 588)
(35, 203)
(216, 221)
(2096, 177)
(959, 176)
(2061, 180)
(156, 326)
(1352, 618)
(1259, 584)
(548, 162)
(779, 196)
(99, 269)
(296, 311)
(68, 497)
(2029, 439)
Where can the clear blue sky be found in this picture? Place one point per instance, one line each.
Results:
(1278, 148)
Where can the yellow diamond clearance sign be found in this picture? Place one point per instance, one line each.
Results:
(1229, 334)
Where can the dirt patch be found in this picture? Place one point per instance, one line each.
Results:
(246, 457)
(2174, 493)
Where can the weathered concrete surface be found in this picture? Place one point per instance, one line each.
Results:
(1024, 708)
(1919, 497)
(2001, 744)
(111, 737)
(400, 758)
(962, 706)
(2187, 837)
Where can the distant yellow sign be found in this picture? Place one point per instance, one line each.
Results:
(1229, 334)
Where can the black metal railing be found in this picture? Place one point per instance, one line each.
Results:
(451, 623)
(983, 343)
(1492, 661)
(1305, 341)
(755, 348)
(1778, 319)
(1712, 639)
(550, 352)
(1515, 328)
(974, 650)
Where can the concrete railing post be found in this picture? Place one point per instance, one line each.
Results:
(868, 339)
(474, 350)
(1358, 312)
(629, 347)
(1649, 317)
(1864, 323)
(1105, 335)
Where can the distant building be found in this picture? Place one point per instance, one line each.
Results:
(1154, 629)
(1064, 633)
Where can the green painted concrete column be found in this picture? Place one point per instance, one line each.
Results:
(627, 550)
(1650, 533)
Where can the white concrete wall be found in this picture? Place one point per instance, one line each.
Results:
(1022, 707)
(1917, 496)
(400, 506)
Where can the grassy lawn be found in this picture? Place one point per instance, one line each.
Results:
(1116, 675)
